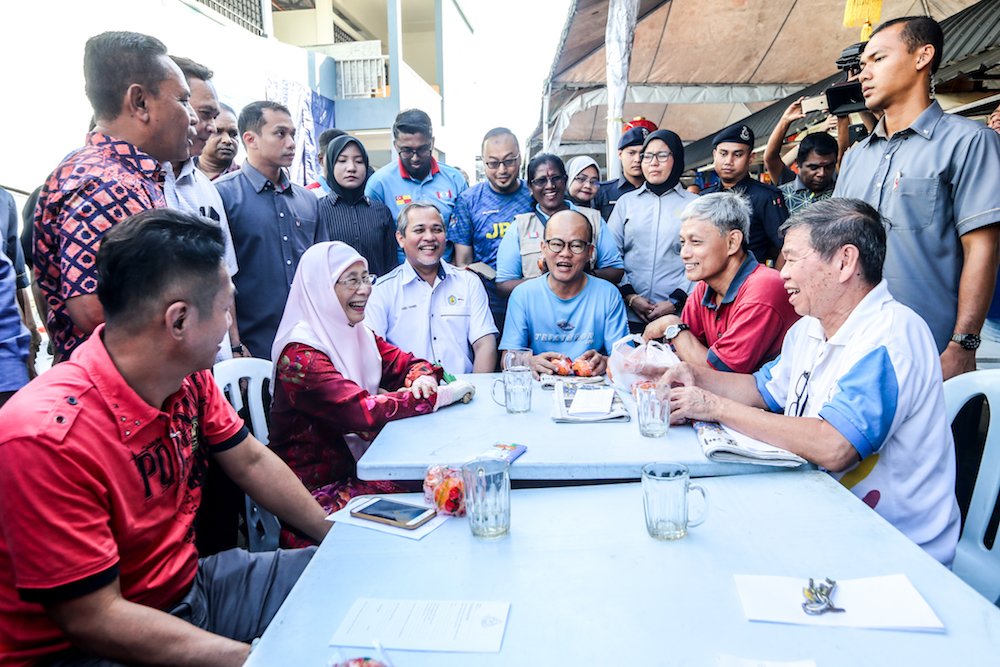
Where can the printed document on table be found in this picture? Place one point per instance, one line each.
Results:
(882, 603)
(592, 401)
(424, 625)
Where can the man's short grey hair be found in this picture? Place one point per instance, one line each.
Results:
(834, 223)
(403, 219)
(726, 210)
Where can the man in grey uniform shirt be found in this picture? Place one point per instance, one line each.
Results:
(934, 177)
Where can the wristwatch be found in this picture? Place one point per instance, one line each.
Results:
(239, 349)
(674, 330)
(967, 341)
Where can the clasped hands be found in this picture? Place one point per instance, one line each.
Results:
(650, 311)
(687, 400)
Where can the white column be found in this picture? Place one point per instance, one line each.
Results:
(267, 23)
(618, 48)
(324, 22)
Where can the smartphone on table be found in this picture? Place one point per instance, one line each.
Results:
(394, 513)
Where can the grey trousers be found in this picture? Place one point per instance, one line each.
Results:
(235, 594)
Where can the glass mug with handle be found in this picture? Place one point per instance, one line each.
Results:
(487, 497)
(665, 489)
(517, 380)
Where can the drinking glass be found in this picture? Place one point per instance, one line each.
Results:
(665, 489)
(517, 380)
(487, 497)
(653, 406)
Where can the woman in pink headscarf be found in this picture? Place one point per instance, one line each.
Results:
(329, 368)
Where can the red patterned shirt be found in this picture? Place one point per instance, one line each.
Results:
(105, 182)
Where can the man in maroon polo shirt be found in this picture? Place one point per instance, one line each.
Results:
(737, 315)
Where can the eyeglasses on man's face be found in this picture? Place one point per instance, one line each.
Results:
(662, 156)
(582, 180)
(422, 151)
(576, 246)
(510, 163)
(556, 180)
(355, 282)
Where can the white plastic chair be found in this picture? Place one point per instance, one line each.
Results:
(263, 528)
(977, 565)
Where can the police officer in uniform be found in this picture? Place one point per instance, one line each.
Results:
(733, 151)
(630, 153)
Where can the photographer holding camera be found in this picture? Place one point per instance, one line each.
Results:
(934, 177)
(816, 159)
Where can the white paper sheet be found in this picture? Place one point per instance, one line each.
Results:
(344, 516)
(884, 603)
(424, 625)
(732, 661)
(592, 401)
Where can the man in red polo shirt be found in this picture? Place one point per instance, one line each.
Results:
(101, 465)
(737, 315)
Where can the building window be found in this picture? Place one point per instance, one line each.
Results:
(340, 36)
(245, 13)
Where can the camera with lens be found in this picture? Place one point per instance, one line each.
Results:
(844, 98)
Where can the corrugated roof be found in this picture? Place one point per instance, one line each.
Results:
(971, 44)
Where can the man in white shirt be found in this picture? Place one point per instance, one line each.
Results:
(428, 307)
(857, 388)
(188, 189)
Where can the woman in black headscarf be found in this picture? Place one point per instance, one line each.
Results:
(349, 216)
(655, 282)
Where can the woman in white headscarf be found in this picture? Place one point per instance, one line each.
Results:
(584, 179)
(329, 368)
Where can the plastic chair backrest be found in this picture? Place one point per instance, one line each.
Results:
(263, 528)
(977, 565)
(228, 374)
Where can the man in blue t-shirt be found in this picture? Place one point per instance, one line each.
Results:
(565, 314)
(484, 211)
(416, 175)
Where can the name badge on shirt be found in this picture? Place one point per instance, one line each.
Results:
(532, 235)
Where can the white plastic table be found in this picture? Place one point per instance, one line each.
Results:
(597, 451)
(588, 586)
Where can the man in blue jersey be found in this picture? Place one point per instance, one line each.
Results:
(484, 211)
(416, 175)
(565, 313)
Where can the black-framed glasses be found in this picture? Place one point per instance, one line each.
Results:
(422, 151)
(583, 179)
(355, 282)
(556, 180)
(662, 156)
(510, 163)
(576, 246)
(798, 406)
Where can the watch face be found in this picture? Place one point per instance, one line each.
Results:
(967, 341)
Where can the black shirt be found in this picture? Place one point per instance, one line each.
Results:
(769, 213)
(608, 195)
